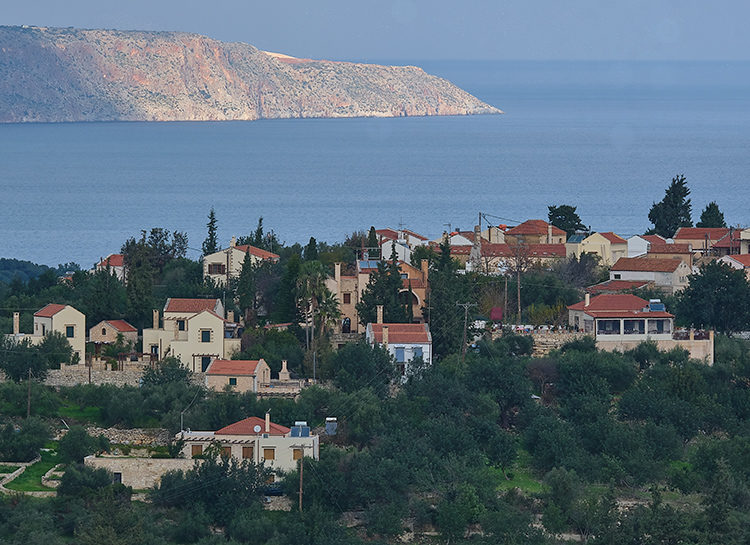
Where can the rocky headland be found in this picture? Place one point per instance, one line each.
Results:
(65, 74)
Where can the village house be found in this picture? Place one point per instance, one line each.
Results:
(671, 250)
(403, 240)
(405, 342)
(617, 286)
(622, 321)
(226, 264)
(106, 332)
(740, 262)
(194, 331)
(115, 263)
(669, 275)
(64, 319)
(239, 375)
(702, 239)
(608, 246)
(258, 440)
(535, 232)
(729, 244)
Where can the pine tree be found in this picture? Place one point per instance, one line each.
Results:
(246, 287)
(211, 244)
(674, 210)
(384, 288)
(311, 250)
(372, 244)
(711, 216)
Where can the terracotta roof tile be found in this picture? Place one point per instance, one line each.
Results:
(247, 427)
(257, 252)
(534, 227)
(175, 304)
(629, 314)
(122, 326)
(654, 239)
(613, 238)
(665, 248)
(742, 259)
(402, 333)
(700, 233)
(233, 367)
(114, 260)
(617, 285)
(643, 264)
(49, 311)
(611, 301)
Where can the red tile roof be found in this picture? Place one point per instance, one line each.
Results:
(122, 326)
(232, 367)
(49, 311)
(728, 241)
(416, 283)
(617, 285)
(613, 238)
(654, 239)
(415, 235)
(508, 250)
(247, 427)
(643, 264)
(190, 305)
(114, 260)
(742, 259)
(629, 314)
(611, 301)
(257, 252)
(665, 248)
(388, 234)
(402, 333)
(534, 227)
(700, 233)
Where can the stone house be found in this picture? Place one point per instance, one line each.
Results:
(141, 473)
(106, 332)
(193, 330)
(64, 319)
(227, 264)
(241, 375)
(256, 439)
(669, 275)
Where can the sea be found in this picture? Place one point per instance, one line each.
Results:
(606, 137)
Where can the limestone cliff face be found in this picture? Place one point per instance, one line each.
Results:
(55, 74)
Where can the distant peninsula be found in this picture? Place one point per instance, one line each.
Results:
(66, 74)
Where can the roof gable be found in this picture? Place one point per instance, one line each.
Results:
(260, 253)
(175, 304)
(48, 311)
(642, 264)
(613, 238)
(742, 259)
(113, 260)
(611, 301)
(401, 333)
(233, 367)
(122, 326)
(534, 227)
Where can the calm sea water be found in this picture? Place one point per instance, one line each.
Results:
(606, 137)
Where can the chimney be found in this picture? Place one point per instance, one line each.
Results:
(230, 316)
(268, 421)
(284, 373)
(233, 242)
(549, 233)
(425, 263)
(587, 299)
(156, 319)
(385, 336)
(337, 275)
(16, 323)
(380, 314)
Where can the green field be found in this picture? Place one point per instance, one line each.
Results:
(74, 412)
(31, 479)
(522, 476)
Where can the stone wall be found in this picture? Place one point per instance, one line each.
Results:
(140, 473)
(132, 436)
(79, 374)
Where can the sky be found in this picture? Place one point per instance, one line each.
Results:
(428, 29)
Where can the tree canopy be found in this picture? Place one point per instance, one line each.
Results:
(211, 244)
(711, 216)
(674, 210)
(565, 217)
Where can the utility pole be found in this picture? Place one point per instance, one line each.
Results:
(301, 469)
(505, 300)
(466, 307)
(28, 397)
(518, 290)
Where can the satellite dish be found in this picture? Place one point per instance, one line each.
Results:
(256, 428)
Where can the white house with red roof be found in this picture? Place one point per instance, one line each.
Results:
(227, 264)
(740, 262)
(193, 330)
(114, 263)
(64, 319)
(405, 342)
(638, 245)
(669, 275)
(403, 241)
(535, 232)
(106, 332)
(239, 375)
(622, 321)
(257, 440)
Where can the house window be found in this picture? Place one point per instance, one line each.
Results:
(117, 477)
(217, 268)
(104, 332)
(347, 298)
(205, 335)
(44, 329)
(196, 450)
(226, 452)
(155, 349)
(617, 276)
(233, 381)
(70, 331)
(181, 325)
(418, 352)
(400, 355)
(247, 453)
(297, 454)
(608, 327)
(269, 454)
(205, 362)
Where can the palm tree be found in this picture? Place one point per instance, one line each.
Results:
(310, 288)
(328, 311)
